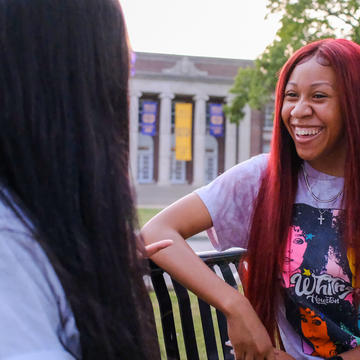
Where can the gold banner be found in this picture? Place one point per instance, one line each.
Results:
(183, 127)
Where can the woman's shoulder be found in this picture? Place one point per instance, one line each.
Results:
(246, 173)
(254, 166)
(16, 236)
(241, 177)
(24, 258)
(229, 200)
(32, 297)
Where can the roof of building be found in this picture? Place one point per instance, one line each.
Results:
(181, 66)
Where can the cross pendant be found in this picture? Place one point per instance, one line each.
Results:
(321, 219)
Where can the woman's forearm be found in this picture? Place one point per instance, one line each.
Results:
(186, 267)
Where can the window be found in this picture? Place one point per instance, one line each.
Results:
(269, 115)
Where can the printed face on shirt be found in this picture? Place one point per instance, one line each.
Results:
(314, 328)
(296, 247)
(312, 115)
(294, 253)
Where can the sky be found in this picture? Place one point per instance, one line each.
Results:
(212, 28)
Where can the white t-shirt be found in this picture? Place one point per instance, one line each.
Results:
(317, 317)
(36, 321)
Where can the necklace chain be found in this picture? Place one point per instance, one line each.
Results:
(313, 195)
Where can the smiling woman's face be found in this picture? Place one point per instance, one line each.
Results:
(312, 115)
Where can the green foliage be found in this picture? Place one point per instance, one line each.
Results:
(302, 21)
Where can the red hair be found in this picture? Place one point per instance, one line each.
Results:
(273, 208)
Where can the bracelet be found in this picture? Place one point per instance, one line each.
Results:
(337, 357)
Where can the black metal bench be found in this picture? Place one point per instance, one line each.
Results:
(211, 258)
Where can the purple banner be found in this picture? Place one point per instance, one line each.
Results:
(132, 62)
(148, 118)
(216, 120)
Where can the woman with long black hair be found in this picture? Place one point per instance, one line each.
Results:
(71, 283)
(295, 210)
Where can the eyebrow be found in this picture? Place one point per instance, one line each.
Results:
(317, 83)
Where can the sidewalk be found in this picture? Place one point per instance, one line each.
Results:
(157, 196)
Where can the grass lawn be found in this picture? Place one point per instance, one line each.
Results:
(197, 325)
(146, 214)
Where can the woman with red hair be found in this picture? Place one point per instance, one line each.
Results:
(310, 180)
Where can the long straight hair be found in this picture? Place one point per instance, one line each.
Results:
(273, 208)
(64, 159)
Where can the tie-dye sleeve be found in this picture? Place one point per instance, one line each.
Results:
(229, 200)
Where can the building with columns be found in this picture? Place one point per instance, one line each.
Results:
(165, 80)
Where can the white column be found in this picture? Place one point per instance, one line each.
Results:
(230, 140)
(134, 132)
(245, 135)
(199, 139)
(165, 138)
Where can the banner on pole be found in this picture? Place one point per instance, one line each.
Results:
(148, 118)
(216, 120)
(183, 127)
(132, 63)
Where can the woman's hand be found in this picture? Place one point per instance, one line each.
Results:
(282, 355)
(248, 336)
(155, 247)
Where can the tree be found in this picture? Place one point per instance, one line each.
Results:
(302, 21)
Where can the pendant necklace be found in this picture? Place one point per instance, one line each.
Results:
(321, 211)
(321, 218)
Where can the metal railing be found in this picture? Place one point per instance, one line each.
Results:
(225, 265)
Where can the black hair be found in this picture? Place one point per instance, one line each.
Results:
(64, 158)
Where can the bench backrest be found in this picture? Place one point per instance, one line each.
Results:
(211, 259)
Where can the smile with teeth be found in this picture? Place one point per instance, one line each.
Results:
(307, 131)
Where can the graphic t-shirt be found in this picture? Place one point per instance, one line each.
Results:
(317, 317)
(318, 283)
